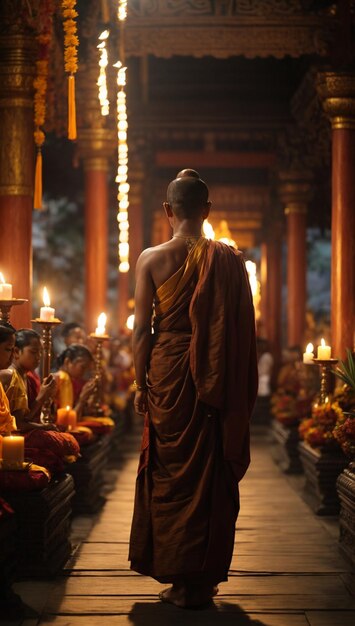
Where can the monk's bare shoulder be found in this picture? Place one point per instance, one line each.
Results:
(150, 256)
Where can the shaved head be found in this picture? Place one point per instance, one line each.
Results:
(188, 172)
(188, 196)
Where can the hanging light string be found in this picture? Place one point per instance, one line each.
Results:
(102, 82)
(122, 170)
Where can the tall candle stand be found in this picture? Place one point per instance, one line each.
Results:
(97, 404)
(46, 328)
(6, 306)
(326, 381)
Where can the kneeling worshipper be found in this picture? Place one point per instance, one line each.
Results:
(43, 444)
(75, 362)
(75, 391)
(26, 359)
(196, 385)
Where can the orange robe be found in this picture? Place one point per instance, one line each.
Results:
(202, 386)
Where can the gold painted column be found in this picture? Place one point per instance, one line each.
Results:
(96, 143)
(337, 91)
(17, 70)
(295, 193)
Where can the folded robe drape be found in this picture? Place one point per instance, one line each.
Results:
(202, 386)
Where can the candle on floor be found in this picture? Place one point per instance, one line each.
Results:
(5, 289)
(101, 325)
(308, 356)
(13, 451)
(46, 313)
(324, 352)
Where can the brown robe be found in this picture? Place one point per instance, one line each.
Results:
(202, 386)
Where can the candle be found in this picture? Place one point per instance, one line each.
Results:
(67, 417)
(308, 356)
(62, 416)
(72, 419)
(101, 323)
(324, 352)
(5, 289)
(46, 313)
(13, 451)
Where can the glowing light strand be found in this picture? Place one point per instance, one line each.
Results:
(122, 169)
(102, 82)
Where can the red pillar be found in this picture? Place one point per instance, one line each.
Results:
(274, 292)
(343, 240)
(338, 93)
(16, 163)
(295, 193)
(296, 275)
(96, 241)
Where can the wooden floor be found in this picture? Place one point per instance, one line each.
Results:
(286, 569)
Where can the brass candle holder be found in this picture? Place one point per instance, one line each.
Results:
(326, 380)
(46, 328)
(6, 306)
(98, 393)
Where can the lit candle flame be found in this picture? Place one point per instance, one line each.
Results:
(46, 298)
(101, 324)
(309, 348)
(322, 343)
(2, 279)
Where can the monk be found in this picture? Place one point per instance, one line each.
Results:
(196, 384)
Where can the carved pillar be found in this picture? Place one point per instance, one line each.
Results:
(96, 145)
(337, 91)
(295, 191)
(17, 56)
(274, 290)
(262, 331)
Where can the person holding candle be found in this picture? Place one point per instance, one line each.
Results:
(73, 391)
(26, 358)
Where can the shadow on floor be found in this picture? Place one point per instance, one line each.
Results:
(159, 614)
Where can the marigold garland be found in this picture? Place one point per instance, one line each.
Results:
(71, 42)
(44, 39)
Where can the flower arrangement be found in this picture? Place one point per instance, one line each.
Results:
(344, 431)
(71, 42)
(322, 428)
(44, 39)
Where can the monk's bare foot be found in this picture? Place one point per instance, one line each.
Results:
(173, 595)
(200, 596)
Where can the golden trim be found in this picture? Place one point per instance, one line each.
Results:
(16, 190)
(292, 210)
(97, 164)
(343, 123)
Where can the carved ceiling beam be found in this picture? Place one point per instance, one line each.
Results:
(177, 158)
(253, 28)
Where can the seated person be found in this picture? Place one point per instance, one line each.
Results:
(71, 333)
(7, 345)
(74, 362)
(26, 358)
